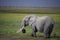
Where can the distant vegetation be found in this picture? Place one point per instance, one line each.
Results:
(30, 10)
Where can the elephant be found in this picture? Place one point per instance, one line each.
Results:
(42, 24)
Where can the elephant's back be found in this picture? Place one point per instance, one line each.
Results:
(42, 18)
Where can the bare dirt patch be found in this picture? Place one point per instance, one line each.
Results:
(14, 37)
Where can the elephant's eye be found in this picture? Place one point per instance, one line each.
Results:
(30, 20)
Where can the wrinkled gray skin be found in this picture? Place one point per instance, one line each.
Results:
(43, 24)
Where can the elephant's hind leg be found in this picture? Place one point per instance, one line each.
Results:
(48, 31)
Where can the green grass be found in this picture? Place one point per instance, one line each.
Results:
(10, 23)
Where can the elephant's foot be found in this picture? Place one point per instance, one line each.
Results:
(33, 35)
(47, 36)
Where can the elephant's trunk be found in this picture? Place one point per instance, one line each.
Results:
(20, 29)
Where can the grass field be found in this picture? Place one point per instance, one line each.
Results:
(10, 23)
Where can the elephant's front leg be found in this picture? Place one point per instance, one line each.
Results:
(33, 34)
(33, 31)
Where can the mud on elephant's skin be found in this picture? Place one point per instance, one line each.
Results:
(43, 24)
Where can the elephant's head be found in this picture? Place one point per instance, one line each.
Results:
(25, 22)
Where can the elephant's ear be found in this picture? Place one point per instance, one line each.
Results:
(32, 20)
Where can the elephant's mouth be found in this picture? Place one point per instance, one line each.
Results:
(23, 31)
(25, 24)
